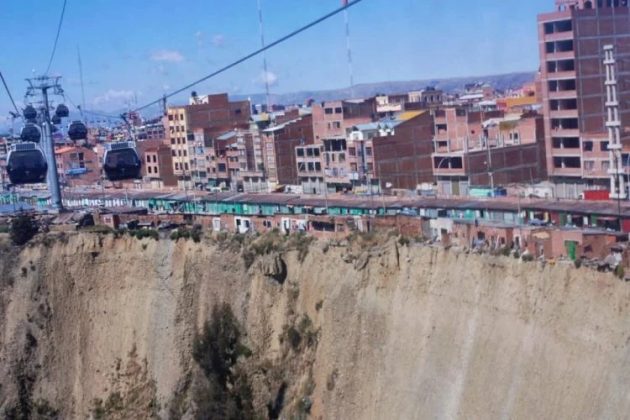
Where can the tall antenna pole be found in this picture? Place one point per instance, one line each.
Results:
(262, 44)
(348, 48)
(81, 79)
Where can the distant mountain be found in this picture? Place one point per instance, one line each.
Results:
(366, 90)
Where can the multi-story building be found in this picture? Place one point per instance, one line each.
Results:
(402, 153)
(573, 85)
(332, 123)
(176, 119)
(213, 115)
(279, 142)
(77, 165)
(157, 164)
(475, 148)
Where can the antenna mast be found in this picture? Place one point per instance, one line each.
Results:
(262, 44)
(348, 47)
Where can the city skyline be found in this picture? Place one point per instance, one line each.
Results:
(140, 60)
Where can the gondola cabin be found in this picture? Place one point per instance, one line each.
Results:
(26, 164)
(121, 161)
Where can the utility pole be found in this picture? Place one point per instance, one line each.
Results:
(41, 85)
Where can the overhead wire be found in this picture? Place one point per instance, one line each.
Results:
(6, 87)
(252, 54)
(52, 54)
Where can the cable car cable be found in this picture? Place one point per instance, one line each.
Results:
(6, 87)
(52, 55)
(253, 54)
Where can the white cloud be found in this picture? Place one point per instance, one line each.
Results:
(269, 77)
(171, 56)
(114, 96)
(218, 40)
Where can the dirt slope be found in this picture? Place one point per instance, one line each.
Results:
(97, 323)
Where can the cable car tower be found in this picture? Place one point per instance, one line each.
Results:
(39, 89)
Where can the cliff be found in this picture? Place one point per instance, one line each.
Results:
(93, 325)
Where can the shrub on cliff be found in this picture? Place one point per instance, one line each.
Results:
(23, 228)
(226, 392)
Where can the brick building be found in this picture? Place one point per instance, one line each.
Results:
(475, 148)
(77, 165)
(402, 157)
(193, 127)
(293, 129)
(157, 164)
(572, 41)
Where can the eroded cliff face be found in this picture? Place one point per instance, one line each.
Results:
(94, 324)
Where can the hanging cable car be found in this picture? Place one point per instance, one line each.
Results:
(26, 164)
(56, 119)
(30, 114)
(31, 133)
(62, 111)
(77, 131)
(121, 161)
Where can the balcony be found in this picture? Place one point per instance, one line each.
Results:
(562, 94)
(559, 36)
(566, 172)
(566, 152)
(561, 75)
(564, 113)
(565, 132)
(562, 55)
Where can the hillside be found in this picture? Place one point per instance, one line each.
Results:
(366, 90)
(94, 325)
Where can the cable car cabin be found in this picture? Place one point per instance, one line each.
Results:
(26, 164)
(121, 161)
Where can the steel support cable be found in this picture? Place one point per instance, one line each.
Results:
(52, 54)
(253, 54)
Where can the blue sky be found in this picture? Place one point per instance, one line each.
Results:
(140, 48)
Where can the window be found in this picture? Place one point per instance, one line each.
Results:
(336, 124)
(172, 140)
(316, 152)
(176, 166)
(603, 146)
(353, 167)
(338, 110)
(318, 166)
(185, 153)
(368, 151)
(149, 169)
(589, 165)
(352, 151)
(587, 146)
(300, 152)
(174, 152)
(179, 152)
(186, 165)
(170, 117)
(328, 111)
(238, 112)
(342, 157)
(309, 152)
(370, 167)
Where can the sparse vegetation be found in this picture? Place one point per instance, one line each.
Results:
(303, 333)
(620, 272)
(226, 392)
(527, 257)
(23, 229)
(145, 233)
(196, 233)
